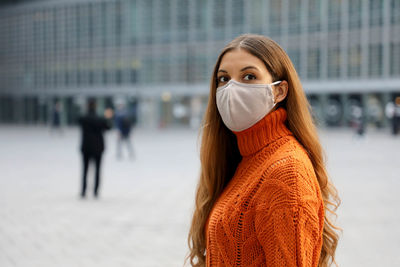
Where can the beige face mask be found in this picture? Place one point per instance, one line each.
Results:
(242, 105)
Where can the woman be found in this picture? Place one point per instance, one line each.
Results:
(263, 197)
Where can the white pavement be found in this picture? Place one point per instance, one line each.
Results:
(143, 214)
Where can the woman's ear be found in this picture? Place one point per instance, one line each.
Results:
(280, 91)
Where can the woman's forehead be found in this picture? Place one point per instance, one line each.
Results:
(240, 58)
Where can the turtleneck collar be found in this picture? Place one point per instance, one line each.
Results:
(264, 132)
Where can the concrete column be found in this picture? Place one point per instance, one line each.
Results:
(63, 114)
(41, 103)
(344, 41)
(192, 22)
(386, 39)
(364, 104)
(266, 26)
(210, 33)
(228, 19)
(149, 111)
(386, 98)
(2, 108)
(364, 38)
(285, 24)
(324, 40)
(247, 15)
(303, 39)
(49, 109)
(20, 109)
(29, 111)
(125, 41)
(344, 99)
(323, 99)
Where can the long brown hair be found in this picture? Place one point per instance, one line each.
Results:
(219, 154)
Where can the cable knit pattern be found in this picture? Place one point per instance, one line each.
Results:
(271, 212)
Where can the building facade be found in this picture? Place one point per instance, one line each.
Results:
(160, 54)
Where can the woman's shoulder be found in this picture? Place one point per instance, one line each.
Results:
(291, 154)
(289, 176)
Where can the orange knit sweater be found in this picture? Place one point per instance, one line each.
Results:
(271, 212)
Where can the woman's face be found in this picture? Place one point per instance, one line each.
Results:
(241, 66)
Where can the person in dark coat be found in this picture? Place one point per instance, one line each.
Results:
(56, 118)
(92, 145)
(123, 122)
(396, 116)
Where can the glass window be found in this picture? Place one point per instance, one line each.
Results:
(146, 22)
(354, 61)
(182, 69)
(164, 68)
(91, 77)
(78, 22)
(395, 10)
(275, 17)
(183, 20)
(375, 60)
(334, 15)
(118, 23)
(257, 15)
(238, 16)
(219, 10)
(104, 24)
(146, 72)
(200, 14)
(395, 59)
(104, 77)
(355, 14)
(294, 16)
(133, 76)
(375, 13)
(314, 15)
(313, 63)
(200, 20)
(134, 21)
(201, 68)
(80, 78)
(334, 62)
(294, 55)
(118, 76)
(165, 21)
(91, 25)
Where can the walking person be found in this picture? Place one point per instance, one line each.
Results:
(392, 111)
(396, 116)
(358, 120)
(56, 118)
(263, 196)
(124, 123)
(92, 143)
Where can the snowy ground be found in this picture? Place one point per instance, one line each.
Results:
(142, 217)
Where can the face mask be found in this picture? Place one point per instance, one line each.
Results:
(242, 105)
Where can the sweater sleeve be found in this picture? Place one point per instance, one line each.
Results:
(290, 235)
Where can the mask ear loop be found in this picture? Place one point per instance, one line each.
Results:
(273, 96)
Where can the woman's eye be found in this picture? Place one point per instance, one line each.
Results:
(249, 77)
(222, 79)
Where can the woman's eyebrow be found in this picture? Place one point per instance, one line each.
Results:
(245, 68)
(248, 67)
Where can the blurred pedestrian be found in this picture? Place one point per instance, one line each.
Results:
(358, 119)
(56, 118)
(124, 125)
(392, 111)
(263, 197)
(92, 143)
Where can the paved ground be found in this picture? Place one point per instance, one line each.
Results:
(143, 214)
